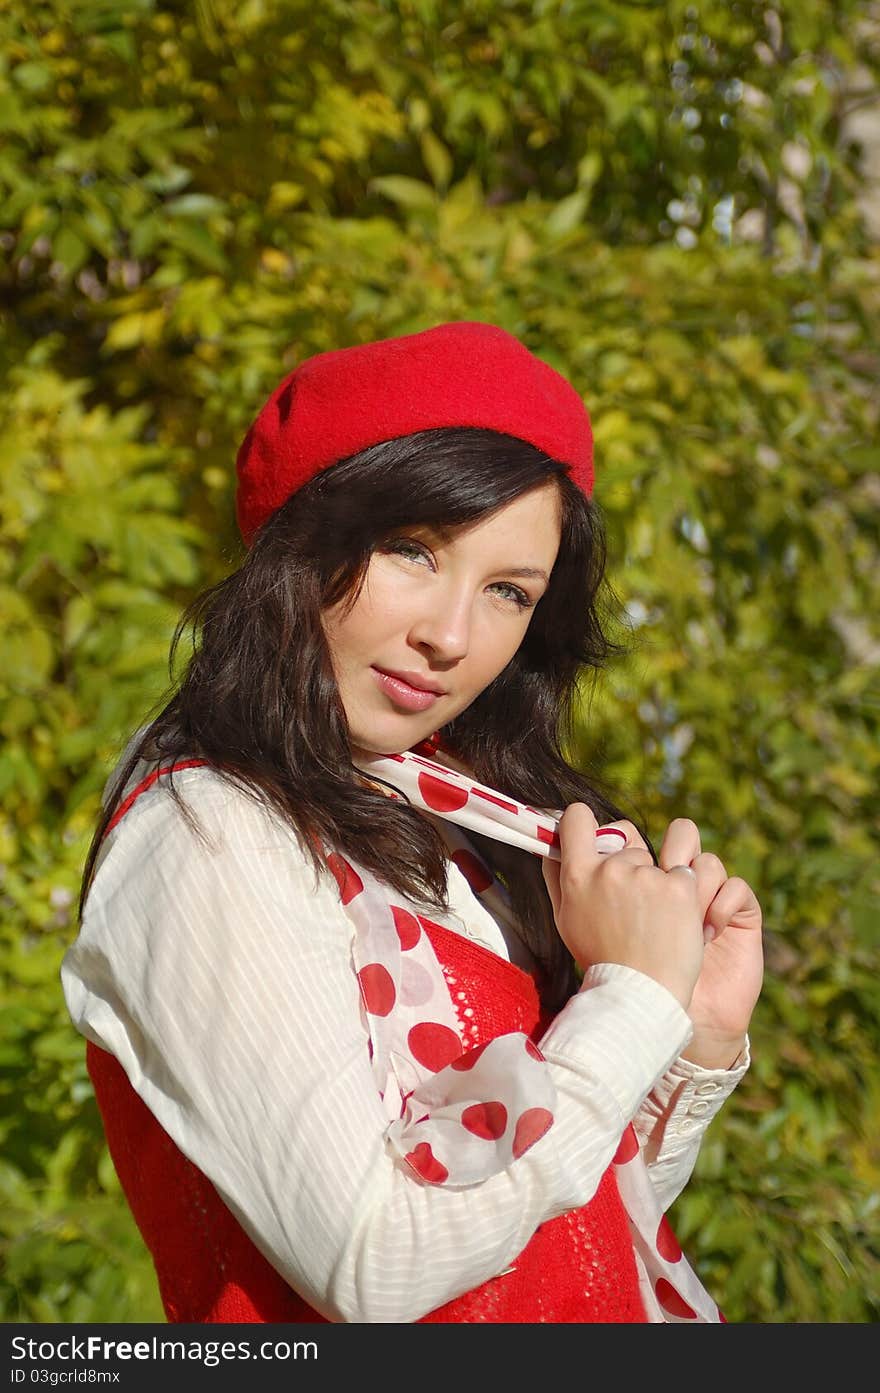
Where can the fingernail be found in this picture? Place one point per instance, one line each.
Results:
(708, 933)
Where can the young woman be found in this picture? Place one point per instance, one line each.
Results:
(391, 1014)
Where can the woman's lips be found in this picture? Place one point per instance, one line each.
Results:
(402, 694)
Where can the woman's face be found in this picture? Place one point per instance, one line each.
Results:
(438, 619)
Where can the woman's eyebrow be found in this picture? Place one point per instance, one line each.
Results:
(526, 573)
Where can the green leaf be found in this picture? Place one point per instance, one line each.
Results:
(405, 192)
(438, 160)
(70, 250)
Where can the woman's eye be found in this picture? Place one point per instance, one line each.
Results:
(403, 546)
(513, 592)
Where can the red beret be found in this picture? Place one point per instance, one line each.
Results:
(461, 374)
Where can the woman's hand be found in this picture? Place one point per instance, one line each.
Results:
(733, 962)
(621, 908)
(710, 956)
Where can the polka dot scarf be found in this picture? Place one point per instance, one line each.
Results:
(459, 1115)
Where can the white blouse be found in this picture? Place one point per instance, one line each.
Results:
(221, 978)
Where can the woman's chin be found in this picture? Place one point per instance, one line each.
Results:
(392, 744)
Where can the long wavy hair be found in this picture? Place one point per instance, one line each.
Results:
(259, 701)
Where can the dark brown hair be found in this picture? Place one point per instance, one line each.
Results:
(259, 701)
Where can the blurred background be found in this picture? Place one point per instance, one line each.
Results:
(678, 206)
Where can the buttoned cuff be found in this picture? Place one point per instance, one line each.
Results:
(687, 1097)
(673, 1119)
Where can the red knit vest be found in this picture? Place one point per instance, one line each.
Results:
(576, 1268)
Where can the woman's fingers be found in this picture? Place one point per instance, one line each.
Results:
(734, 906)
(724, 900)
(621, 835)
(577, 836)
(583, 843)
(681, 847)
(622, 908)
(711, 875)
(577, 818)
(681, 843)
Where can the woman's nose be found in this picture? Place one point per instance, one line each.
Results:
(444, 626)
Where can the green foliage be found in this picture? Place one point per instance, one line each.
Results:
(666, 202)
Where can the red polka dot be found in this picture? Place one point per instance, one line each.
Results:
(531, 1126)
(348, 880)
(672, 1301)
(551, 838)
(425, 1164)
(723, 1318)
(668, 1245)
(532, 1049)
(469, 1058)
(628, 1148)
(486, 1120)
(408, 928)
(377, 989)
(440, 795)
(473, 870)
(433, 1045)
